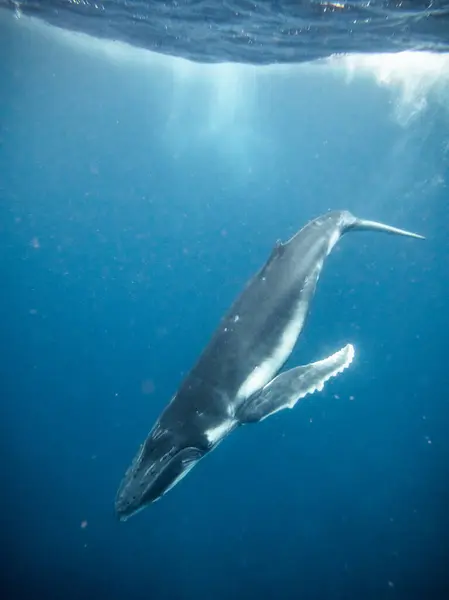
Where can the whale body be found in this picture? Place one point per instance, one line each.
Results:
(236, 379)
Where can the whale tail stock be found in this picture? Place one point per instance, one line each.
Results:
(365, 225)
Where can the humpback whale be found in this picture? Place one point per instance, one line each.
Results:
(236, 379)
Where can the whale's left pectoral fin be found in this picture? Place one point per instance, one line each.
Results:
(286, 389)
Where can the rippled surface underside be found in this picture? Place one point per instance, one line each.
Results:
(266, 31)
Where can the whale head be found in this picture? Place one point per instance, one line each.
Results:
(162, 461)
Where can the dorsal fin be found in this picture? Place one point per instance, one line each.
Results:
(278, 250)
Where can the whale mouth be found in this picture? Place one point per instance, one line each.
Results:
(148, 478)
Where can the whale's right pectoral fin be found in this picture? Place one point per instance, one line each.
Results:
(286, 389)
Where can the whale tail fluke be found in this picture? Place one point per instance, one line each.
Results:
(364, 225)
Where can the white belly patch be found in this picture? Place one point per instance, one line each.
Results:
(215, 434)
(265, 372)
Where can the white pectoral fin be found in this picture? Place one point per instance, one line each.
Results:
(286, 389)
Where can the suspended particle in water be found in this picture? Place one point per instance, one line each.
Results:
(147, 387)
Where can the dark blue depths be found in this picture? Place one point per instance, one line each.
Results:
(124, 237)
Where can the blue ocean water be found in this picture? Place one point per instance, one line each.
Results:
(136, 200)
